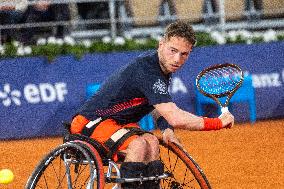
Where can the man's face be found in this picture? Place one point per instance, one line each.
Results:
(173, 53)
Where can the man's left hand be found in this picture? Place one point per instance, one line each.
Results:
(169, 136)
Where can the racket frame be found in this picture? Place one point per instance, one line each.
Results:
(229, 94)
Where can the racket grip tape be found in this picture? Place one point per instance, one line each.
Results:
(224, 109)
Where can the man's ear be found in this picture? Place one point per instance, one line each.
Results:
(161, 42)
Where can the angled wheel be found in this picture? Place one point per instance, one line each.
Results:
(70, 165)
(183, 170)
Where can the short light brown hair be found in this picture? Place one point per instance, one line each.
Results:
(180, 29)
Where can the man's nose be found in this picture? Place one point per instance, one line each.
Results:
(177, 57)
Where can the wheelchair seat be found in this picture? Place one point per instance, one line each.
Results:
(105, 155)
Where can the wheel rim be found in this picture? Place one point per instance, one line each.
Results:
(68, 167)
(183, 171)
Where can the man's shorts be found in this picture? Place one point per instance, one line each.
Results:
(103, 131)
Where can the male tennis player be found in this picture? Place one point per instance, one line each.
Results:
(111, 115)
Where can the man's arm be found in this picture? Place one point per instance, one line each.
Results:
(179, 118)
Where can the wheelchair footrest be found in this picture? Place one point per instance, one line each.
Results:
(140, 179)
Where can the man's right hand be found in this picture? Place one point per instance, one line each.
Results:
(227, 119)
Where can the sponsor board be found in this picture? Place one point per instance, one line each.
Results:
(36, 96)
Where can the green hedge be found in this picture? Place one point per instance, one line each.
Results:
(62, 47)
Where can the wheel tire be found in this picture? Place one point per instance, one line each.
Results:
(184, 171)
(51, 172)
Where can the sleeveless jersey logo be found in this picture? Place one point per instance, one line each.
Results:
(160, 87)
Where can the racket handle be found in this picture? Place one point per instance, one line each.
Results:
(224, 109)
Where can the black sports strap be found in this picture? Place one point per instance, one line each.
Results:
(91, 126)
(113, 146)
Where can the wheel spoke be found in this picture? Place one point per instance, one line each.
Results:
(67, 166)
(184, 172)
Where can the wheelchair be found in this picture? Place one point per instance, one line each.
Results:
(81, 162)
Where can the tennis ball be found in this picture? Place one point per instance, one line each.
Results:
(6, 176)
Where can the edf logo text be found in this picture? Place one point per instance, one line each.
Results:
(33, 94)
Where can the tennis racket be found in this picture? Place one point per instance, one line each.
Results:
(218, 81)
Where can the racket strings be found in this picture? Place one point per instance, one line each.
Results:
(220, 80)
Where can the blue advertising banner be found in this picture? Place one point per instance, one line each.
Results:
(36, 95)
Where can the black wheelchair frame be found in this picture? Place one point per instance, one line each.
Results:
(81, 162)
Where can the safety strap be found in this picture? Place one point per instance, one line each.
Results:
(116, 139)
(91, 126)
(120, 136)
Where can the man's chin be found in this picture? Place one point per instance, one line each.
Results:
(173, 70)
